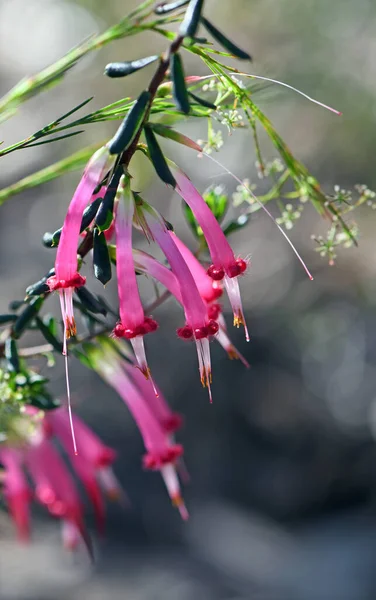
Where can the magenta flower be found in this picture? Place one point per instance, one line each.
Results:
(198, 326)
(16, 490)
(66, 276)
(225, 266)
(169, 420)
(133, 323)
(93, 461)
(150, 266)
(210, 289)
(162, 454)
(54, 486)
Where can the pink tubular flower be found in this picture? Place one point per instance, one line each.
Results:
(66, 276)
(225, 265)
(210, 290)
(150, 266)
(168, 420)
(133, 323)
(198, 326)
(162, 453)
(93, 461)
(16, 490)
(54, 486)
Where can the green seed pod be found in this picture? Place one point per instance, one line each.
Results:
(51, 240)
(29, 313)
(202, 101)
(101, 258)
(16, 304)
(11, 355)
(38, 288)
(131, 124)
(5, 319)
(157, 158)
(44, 401)
(47, 239)
(122, 69)
(163, 9)
(89, 214)
(179, 90)
(90, 302)
(48, 335)
(105, 214)
(224, 41)
(192, 18)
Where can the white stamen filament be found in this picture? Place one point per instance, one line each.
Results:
(261, 205)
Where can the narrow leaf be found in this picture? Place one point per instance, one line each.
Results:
(163, 9)
(224, 41)
(101, 258)
(72, 163)
(11, 354)
(202, 101)
(38, 288)
(51, 240)
(167, 132)
(158, 159)
(105, 212)
(44, 401)
(131, 124)
(192, 18)
(49, 141)
(179, 90)
(90, 302)
(5, 319)
(122, 69)
(27, 315)
(236, 224)
(48, 335)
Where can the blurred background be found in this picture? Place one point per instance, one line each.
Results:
(283, 464)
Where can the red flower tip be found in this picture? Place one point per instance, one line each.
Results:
(216, 273)
(201, 332)
(60, 284)
(172, 423)
(237, 268)
(185, 333)
(156, 460)
(148, 326)
(214, 310)
(212, 327)
(106, 458)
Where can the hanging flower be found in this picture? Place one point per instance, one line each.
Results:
(162, 453)
(198, 326)
(133, 324)
(66, 277)
(225, 266)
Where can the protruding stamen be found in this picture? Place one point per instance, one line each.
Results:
(69, 405)
(139, 350)
(170, 477)
(263, 207)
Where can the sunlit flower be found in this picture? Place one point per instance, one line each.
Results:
(224, 264)
(133, 324)
(198, 326)
(67, 277)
